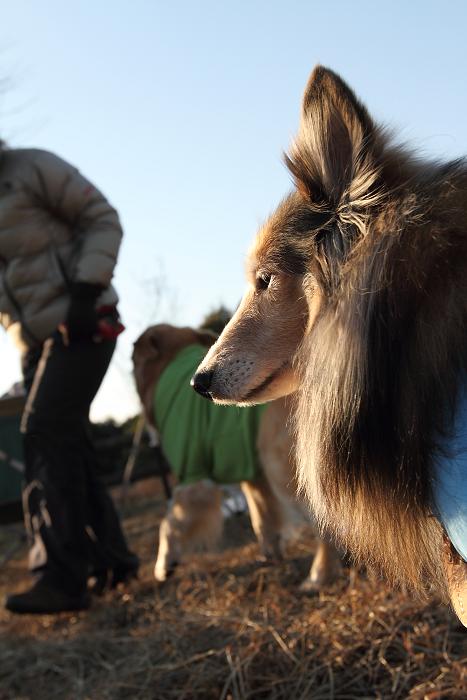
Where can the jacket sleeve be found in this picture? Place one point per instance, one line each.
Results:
(68, 196)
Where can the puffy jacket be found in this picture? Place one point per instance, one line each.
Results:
(55, 228)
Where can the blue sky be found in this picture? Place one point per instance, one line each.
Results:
(179, 112)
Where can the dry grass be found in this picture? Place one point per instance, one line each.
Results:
(226, 627)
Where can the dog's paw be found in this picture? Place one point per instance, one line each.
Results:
(160, 576)
(310, 587)
(162, 573)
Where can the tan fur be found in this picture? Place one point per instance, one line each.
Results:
(264, 375)
(194, 518)
(154, 350)
(357, 298)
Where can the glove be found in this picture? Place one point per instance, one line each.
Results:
(81, 320)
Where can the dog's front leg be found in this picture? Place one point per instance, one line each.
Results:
(168, 555)
(325, 568)
(266, 517)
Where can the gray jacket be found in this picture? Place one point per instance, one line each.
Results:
(55, 228)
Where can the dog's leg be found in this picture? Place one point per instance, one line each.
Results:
(325, 568)
(265, 515)
(194, 520)
(168, 555)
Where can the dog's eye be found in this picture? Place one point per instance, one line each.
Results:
(263, 281)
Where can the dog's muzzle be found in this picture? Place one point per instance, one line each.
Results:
(201, 383)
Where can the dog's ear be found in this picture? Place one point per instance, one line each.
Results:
(206, 337)
(153, 343)
(147, 344)
(330, 158)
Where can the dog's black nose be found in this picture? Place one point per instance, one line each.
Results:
(201, 382)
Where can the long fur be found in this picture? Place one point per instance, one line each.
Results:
(381, 368)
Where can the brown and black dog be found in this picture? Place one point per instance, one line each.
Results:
(357, 301)
(194, 516)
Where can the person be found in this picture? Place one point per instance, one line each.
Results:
(59, 240)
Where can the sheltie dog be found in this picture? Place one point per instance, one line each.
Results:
(357, 301)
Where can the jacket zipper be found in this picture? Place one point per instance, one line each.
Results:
(61, 266)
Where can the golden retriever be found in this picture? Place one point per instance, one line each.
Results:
(194, 516)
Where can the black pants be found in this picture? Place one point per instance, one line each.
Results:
(72, 522)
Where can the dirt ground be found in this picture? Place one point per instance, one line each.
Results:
(227, 626)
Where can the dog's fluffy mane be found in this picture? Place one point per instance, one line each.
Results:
(384, 236)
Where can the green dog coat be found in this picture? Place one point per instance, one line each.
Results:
(200, 439)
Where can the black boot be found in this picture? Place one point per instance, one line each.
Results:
(45, 597)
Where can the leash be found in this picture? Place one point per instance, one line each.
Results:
(131, 461)
(132, 457)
